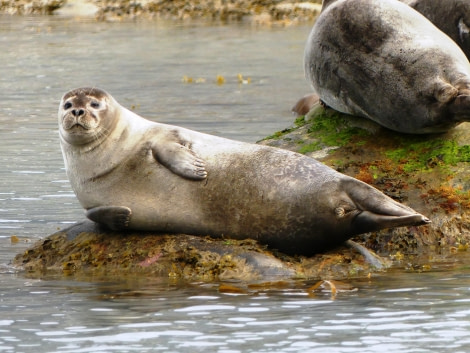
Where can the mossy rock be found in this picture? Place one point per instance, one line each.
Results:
(429, 173)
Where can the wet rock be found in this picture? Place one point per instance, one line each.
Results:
(78, 8)
(30, 7)
(86, 249)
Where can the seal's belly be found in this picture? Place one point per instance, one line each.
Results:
(246, 192)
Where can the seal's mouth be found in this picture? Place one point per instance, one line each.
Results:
(77, 127)
(83, 123)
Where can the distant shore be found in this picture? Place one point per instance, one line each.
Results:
(256, 11)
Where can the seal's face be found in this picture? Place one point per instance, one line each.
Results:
(85, 115)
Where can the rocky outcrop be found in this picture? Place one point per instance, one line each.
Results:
(30, 7)
(263, 12)
(85, 249)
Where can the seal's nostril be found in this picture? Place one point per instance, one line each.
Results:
(78, 112)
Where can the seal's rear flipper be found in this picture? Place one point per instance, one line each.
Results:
(305, 104)
(368, 221)
(378, 211)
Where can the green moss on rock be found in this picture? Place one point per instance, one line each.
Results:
(332, 128)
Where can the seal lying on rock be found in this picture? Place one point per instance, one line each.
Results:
(385, 61)
(451, 16)
(129, 172)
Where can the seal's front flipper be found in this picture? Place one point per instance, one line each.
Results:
(113, 217)
(371, 258)
(180, 159)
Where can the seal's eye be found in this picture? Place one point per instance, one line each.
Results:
(67, 105)
(95, 104)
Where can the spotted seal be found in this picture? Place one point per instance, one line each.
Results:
(385, 61)
(132, 173)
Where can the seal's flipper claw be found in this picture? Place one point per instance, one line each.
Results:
(181, 160)
(113, 217)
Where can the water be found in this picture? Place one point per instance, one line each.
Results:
(142, 65)
(392, 312)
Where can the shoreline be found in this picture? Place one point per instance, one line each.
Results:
(283, 12)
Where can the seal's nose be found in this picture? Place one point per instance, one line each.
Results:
(78, 112)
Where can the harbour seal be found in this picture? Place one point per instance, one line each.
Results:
(132, 173)
(451, 16)
(385, 61)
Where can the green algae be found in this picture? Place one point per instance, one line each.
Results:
(320, 129)
(420, 154)
(334, 129)
(310, 147)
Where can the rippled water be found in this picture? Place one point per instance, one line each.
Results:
(142, 65)
(392, 312)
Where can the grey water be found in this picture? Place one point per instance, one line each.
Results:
(147, 66)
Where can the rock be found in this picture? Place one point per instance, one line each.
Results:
(281, 12)
(30, 7)
(78, 8)
(85, 249)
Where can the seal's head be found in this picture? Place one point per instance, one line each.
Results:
(86, 115)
